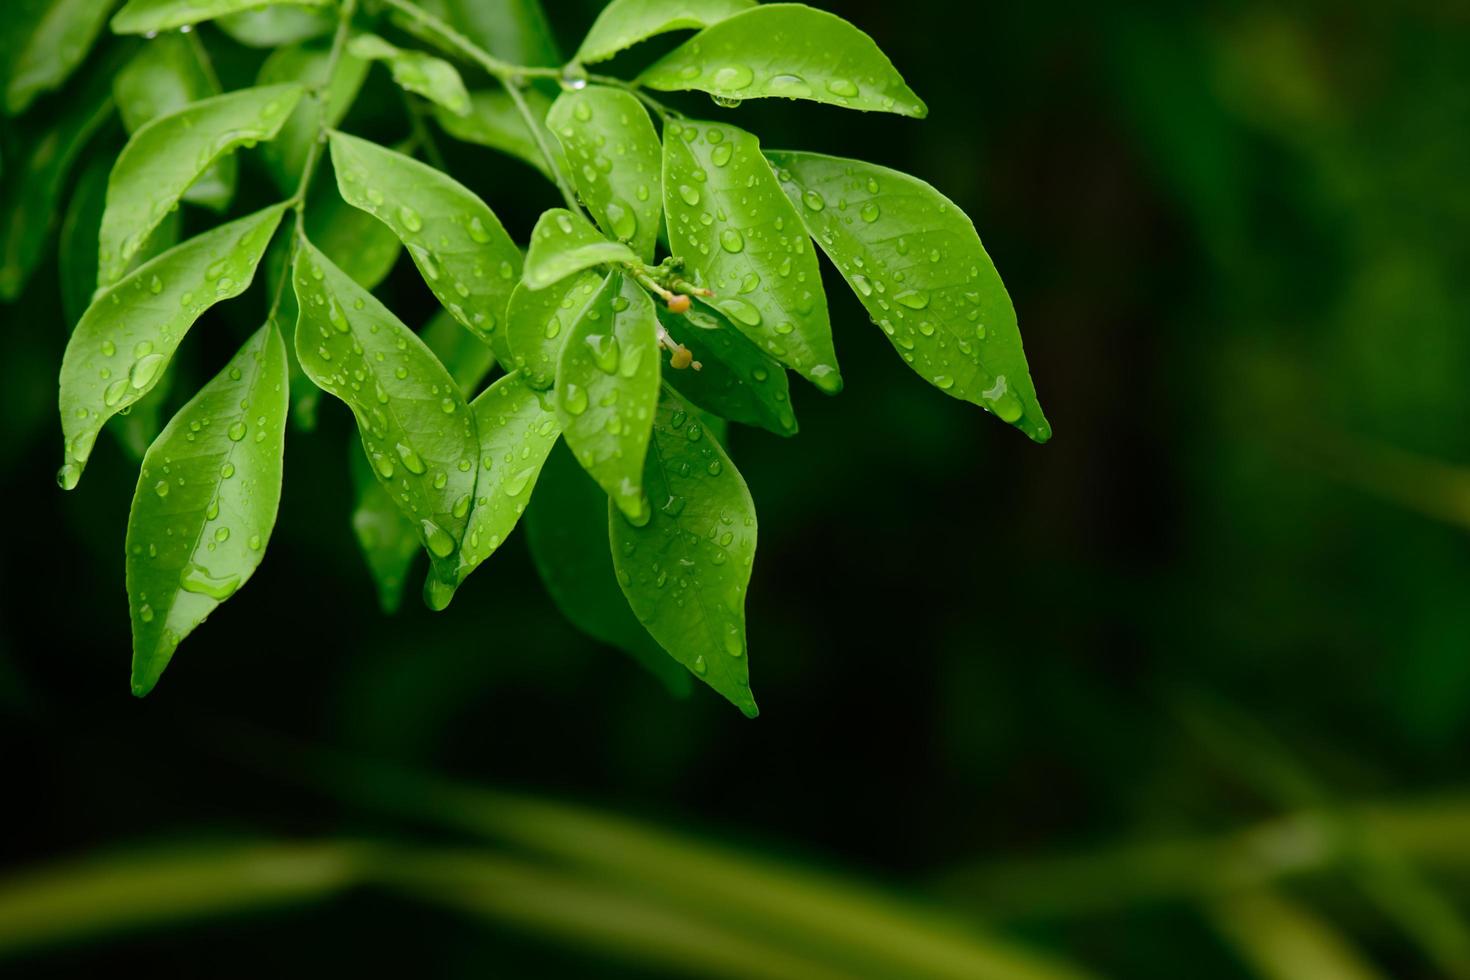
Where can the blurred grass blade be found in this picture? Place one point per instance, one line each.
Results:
(1283, 940)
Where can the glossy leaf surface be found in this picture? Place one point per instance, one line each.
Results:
(686, 571)
(55, 45)
(417, 430)
(388, 540)
(566, 530)
(735, 380)
(151, 16)
(623, 23)
(740, 236)
(539, 321)
(607, 388)
(130, 332)
(206, 502)
(458, 244)
(563, 243)
(433, 78)
(615, 161)
(169, 153)
(916, 263)
(788, 51)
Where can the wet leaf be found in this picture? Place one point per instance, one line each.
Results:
(54, 46)
(564, 243)
(325, 105)
(623, 23)
(467, 358)
(735, 380)
(388, 540)
(151, 16)
(433, 78)
(539, 321)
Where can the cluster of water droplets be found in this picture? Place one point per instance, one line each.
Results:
(597, 162)
(729, 82)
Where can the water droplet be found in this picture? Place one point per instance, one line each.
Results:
(843, 87)
(689, 194)
(439, 541)
(410, 218)
(914, 299)
(145, 613)
(621, 220)
(145, 370)
(788, 87)
(477, 231)
(412, 461)
(198, 580)
(236, 432)
(813, 200)
(869, 212)
(605, 352)
(574, 399)
(731, 240)
(741, 311)
(733, 78)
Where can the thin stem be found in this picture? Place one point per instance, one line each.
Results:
(663, 112)
(538, 133)
(422, 137)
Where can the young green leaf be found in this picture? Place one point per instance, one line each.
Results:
(495, 122)
(563, 243)
(788, 51)
(537, 324)
(686, 571)
(623, 23)
(388, 540)
(465, 256)
(731, 222)
(323, 109)
(467, 358)
(734, 380)
(168, 154)
(130, 332)
(165, 75)
(433, 78)
(57, 43)
(615, 161)
(274, 27)
(416, 428)
(566, 531)
(512, 30)
(206, 502)
(915, 262)
(607, 387)
(152, 16)
(517, 426)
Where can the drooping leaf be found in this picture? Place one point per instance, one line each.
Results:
(33, 182)
(789, 51)
(735, 380)
(56, 43)
(607, 387)
(388, 540)
(466, 257)
(467, 358)
(278, 25)
(494, 121)
(538, 322)
(566, 525)
(206, 502)
(731, 222)
(433, 78)
(915, 262)
(623, 23)
(326, 104)
(517, 426)
(169, 153)
(615, 161)
(417, 430)
(563, 243)
(129, 334)
(168, 73)
(152, 16)
(685, 572)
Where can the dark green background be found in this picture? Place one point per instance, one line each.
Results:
(1234, 584)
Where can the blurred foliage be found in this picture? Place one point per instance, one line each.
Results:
(1183, 693)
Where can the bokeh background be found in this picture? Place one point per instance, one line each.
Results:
(1183, 693)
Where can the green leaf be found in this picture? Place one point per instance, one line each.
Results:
(56, 44)
(566, 530)
(433, 78)
(359, 244)
(615, 161)
(686, 571)
(168, 73)
(466, 257)
(494, 121)
(33, 183)
(607, 387)
(915, 262)
(564, 243)
(168, 154)
(739, 235)
(324, 108)
(151, 16)
(416, 428)
(206, 502)
(128, 335)
(512, 30)
(467, 358)
(623, 23)
(517, 427)
(538, 322)
(735, 380)
(278, 25)
(388, 540)
(789, 51)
